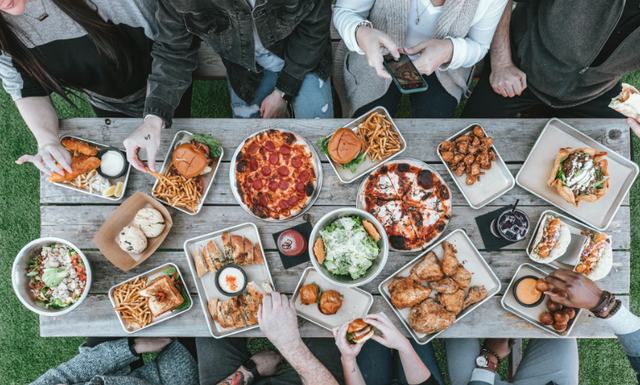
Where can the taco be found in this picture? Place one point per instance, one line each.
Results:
(628, 102)
(580, 175)
(551, 241)
(596, 258)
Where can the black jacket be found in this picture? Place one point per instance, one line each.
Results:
(297, 31)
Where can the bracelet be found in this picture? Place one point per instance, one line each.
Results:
(360, 24)
(602, 303)
(615, 309)
(492, 353)
(606, 306)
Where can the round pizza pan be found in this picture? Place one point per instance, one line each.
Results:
(360, 203)
(315, 159)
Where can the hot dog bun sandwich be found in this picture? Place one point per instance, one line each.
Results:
(359, 331)
(596, 258)
(628, 102)
(551, 241)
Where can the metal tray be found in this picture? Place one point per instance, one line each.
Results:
(535, 171)
(345, 175)
(206, 179)
(470, 257)
(493, 184)
(206, 284)
(234, 188)
(355, 304)
(360, 203)
(532, 314)
(124, 179)
(151, 274)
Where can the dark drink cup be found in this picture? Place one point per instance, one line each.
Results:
(291, 243)
(511, 225)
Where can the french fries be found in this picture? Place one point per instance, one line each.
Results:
(177, 191)
(83, 181)
(379, 137)
(130, 305)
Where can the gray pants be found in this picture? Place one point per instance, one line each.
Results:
(544, 360)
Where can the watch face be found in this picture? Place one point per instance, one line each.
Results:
(481, 361)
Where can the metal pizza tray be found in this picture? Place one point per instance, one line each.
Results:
(360, 200)
(345, 175)
(532, 314)
(493, 184)
(151, 274)
(207, 179)
(536, 169)
(470, 257)
(355, 303)
(124, 179)
(234, 186)
(206, 286)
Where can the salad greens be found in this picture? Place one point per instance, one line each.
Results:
(349, 248)
(52, 276)
(323, 143)
(209, 141)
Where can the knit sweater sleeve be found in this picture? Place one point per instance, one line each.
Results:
(111, 357)
(471, 49)
(347, 14)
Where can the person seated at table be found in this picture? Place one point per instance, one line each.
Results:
(540, 363)
(445, 39)
(119, 361)
(565, 54)
(389, 358)
(313, 361)
(277, 56)
(99, 48)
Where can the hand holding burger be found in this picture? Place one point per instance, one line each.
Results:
(391, 337)
(359, 331)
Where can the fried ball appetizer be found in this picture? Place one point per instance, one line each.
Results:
(546, 318)
(570, 311)
(560, 327)
(554, 306)
(542, 285)
(561, 317)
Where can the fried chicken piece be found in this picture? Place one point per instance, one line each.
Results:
(463, 148)
(492, 156)
(447, 146)
(473, 149)
(471, 179)
(452, 302)
(397, 281)
(447, 156)
(477, 131)
(458, 158)
(430, 317)
(445, 285)
(463, 138)
(476, 141)
(81, 147)
(407, 293)
(475, 169)
(449, 261)
(79, 165)
(462, 277)
(460, 170)
(469, 159)
(476, 294)
(427, 270)
(487, 141)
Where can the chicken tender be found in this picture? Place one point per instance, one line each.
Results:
(462, 277)
(477, 131)
(81, 147)
(445, 285)
(430, 317)
(427, 270)
(79, 165)
(407, 293)
(452, 302)
(476, 294)
(449, 261)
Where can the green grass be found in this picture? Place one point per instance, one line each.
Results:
(25, 355)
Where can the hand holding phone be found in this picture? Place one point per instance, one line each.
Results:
(404, 74)
(372, 41)
(433, 54)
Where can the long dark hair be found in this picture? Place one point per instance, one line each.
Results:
(111, 44)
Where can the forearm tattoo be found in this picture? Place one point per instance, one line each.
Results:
(237, 378)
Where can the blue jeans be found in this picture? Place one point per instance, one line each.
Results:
(314, 99)
(382, 366)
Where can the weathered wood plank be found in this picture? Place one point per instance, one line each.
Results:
(514, 138)
(79, 224)
(95, 317)
(333, 192)
(504, 264)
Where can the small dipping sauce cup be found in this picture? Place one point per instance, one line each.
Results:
(291, 243)
(525, 293)
(511, 225)
(231, 280)
(113, 163)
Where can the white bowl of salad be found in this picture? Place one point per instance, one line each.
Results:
(352, 257)
(51, 276)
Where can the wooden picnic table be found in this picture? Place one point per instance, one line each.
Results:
(77, 217)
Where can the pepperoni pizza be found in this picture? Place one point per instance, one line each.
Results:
(412, 203)
(276, 174)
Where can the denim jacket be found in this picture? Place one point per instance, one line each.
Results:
(297, 31)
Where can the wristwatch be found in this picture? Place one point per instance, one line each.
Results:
(484, 362)
(251, 366)
(288, 98)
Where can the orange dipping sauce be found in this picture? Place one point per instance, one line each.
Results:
(526, 291)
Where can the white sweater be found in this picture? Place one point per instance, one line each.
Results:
(466, 52)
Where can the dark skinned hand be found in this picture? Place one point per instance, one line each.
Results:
(576, 290)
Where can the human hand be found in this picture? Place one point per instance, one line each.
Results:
(267, 362)
(577, 290)
(507, 80)
(49, 152)
(372, 42)
(278, 321)
(349, 351)
(146, 137)
(273, 106)
(391, 336)
(433, 54)
(634, 124)
(150, 344)
(499, 345)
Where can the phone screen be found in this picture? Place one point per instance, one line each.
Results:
(405, 72)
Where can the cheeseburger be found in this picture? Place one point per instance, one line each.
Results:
(330, 302)
(344, 146)
(194, 157)
(359, 331)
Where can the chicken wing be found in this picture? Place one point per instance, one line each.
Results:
(452, 302)
(447, 156)
(427, 270)
(447, 146)
(81, 147)
(430, 317)
(407, 293)
(79, 165)
(445, 285)
(449, 261)
(462, 277)
(476, 294)
(477, 131)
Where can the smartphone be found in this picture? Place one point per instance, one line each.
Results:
(405, 74)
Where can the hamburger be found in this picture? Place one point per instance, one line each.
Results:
(309, 294)
(330, 302)
(344, 147)
(195, 156)
(359, 331)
